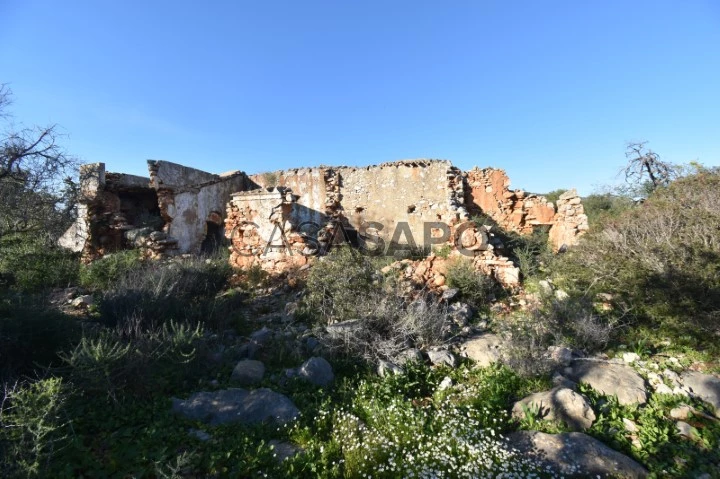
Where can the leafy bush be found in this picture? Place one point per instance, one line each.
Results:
(337, 282)
(443, 251)
(554, 195)
(531, 251)
(30, 264)
(31, 335)
(660, 259)
(124, 360)
(30, 426)
(108, 270)
(474, 286)
(605, 205)
(158, 291)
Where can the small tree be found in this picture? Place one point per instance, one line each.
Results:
(645, 169)
(36, 186)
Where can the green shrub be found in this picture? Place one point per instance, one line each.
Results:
(117, 361)
(338, 283)
(554, 195)
(572, 321)
(661, 260)
(605, 205)
(29, 264)
(443, 251)
(31, 335)
(31, 426)
(474, 287)
(529, 252)
(158, 291)
(345, 286)
(385, 325)
(104, 272)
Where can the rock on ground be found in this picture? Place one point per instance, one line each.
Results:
(460, 313)
(686, 430)
(610, 379)
(237, 405)
(262, 336)
(248, 372)
(84, 301)
(560, 355)
(409, 355)
(284, 450)
(705, 386)
(575, 454)
(484, 350)
(317, 371)
(559, 404)
(442, 358)
(386, 368)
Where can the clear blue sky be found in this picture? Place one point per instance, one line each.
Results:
(550, 91)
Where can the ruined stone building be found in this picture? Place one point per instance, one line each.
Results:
(280, 220)
(175, 209)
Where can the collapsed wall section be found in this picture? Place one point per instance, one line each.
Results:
(315, 196)
(175, 210)
(112, 209)
(488, 193)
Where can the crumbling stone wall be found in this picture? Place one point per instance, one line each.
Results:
(189, 198)
(413, 202)
(570, 220)
(172, 211)
(410, 192)
(488, 193)
(112, 206)
(262, 230)
(314, 201)
(402, 203)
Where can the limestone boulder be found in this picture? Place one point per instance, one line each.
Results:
(387, 368)
(237, 405)
(316, 371)
(84, 301)
(610, 379)
(248, 372)
(460, 313)
(484, 350)
(574, 454)
(558, 404)
(343, 329)
(284, 450)
(442, 358)
(705, 386)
